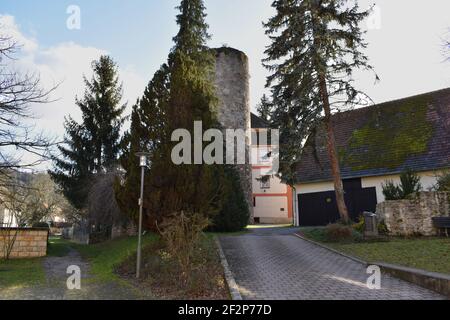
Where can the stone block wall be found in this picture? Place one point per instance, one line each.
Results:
(414, 217)
(232, 82)
(120, 231)
(29, 243)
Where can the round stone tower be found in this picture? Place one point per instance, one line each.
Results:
(233, 111)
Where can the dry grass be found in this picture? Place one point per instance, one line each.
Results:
(162, 275)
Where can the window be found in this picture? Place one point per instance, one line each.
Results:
(265, 182)
(265, 155)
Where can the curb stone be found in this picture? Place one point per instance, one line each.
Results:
(232, 285)
(333, 250)
(436, 282)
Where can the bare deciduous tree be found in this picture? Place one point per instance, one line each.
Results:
(11, 216)
(18, 93)
(103, 209)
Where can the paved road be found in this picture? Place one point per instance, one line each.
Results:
(274, 264)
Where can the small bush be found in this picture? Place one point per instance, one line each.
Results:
(409, 185)
(181, 235)
(382, 228)
(338, 232)
(359, 226)
(42, 225)
(235, 214)
(443, 182)
(391, 191)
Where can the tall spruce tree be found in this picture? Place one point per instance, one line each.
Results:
(316, 46)
(179, 94)
(93, 145)
(188, 188)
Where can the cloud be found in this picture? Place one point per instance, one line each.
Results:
(11, 29)
(64, 64)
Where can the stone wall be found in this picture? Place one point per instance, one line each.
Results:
(29, 243)
(414, 217)
(121, 231)
(233, 111)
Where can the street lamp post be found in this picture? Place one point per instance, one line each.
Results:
(143, 164)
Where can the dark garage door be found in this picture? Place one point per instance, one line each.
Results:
(320, 209)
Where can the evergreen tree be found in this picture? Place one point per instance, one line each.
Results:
(316, 46)
(193, 33)
(179, 94)
(188, 188)
(147, 132)
(234, 214)
(93, 145)
(264, 108)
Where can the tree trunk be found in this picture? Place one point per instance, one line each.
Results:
(332, 153)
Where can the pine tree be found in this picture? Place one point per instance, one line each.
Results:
(264, 108)
(102, 112)
(92, 146)
(73, 172)
(316, 46)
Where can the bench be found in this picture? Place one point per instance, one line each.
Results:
(442, 223)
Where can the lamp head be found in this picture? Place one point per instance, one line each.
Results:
(143, 158)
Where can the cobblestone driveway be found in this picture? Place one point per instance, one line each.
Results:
(274, 264)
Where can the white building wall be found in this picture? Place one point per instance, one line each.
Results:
(314, 187)
(276, 186)
(427, 179)
(7, 219)
(272, 205)
(272, 210)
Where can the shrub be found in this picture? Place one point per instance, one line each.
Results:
(409, 185)
(181, 234)
(443, 182)
(338, 232)
(235, 214)
(391, 191)
(382, 228)
(360, 225)
(42, 225)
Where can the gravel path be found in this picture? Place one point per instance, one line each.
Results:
(55, 287)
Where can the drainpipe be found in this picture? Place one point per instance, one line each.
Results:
(294, 196)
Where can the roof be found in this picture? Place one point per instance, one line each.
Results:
(258, 123)
(411, 133)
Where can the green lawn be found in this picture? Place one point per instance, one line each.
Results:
(104, 257)
(21, 272)
(432, 254)
(29, 272)
(57, 247)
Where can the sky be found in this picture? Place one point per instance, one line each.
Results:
(405, 44)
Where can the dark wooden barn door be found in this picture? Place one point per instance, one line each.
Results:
(320, 209)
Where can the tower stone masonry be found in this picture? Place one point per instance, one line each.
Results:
(233, 111)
